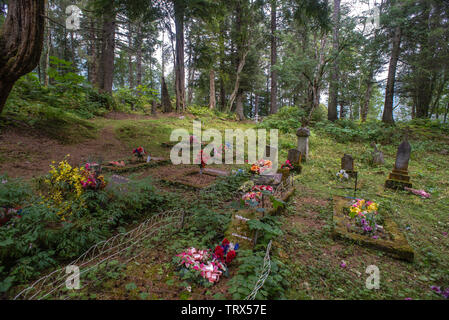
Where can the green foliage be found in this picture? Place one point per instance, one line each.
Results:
(138, 99)
(347, 130)
(288, 119)
(200, 111)
(250, 267)
(40, 240)
(13, 192)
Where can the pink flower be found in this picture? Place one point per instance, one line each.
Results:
(343, 264)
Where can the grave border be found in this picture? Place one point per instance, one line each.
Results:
(398, 248)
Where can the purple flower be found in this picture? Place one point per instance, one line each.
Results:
(375, 237)
(436, 289)
(343, 264)
(444, 233)
(408, 299)
(446, 293)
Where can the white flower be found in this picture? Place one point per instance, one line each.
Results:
(4, 181)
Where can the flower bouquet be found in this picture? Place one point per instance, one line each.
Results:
(342, 175)
(205, 266)
(90, 178)
(139, 153)
(285, 169)
(7, 214)
(365, 217)
(260, 166)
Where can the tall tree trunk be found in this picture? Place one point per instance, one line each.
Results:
(48, 47)
(139, 55)
(93, 56)
(179, 65)
(365, 106)
(274, 80)
(239, 105)
(333, 85)
(165, 97)
(130, 56)
(256, 105)
(212, 89)
(107, 51)
(237, 81)
(387, 116)
(21, 42)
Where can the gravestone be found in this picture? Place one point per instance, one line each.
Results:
(294, 156)
(377, 155)
(347, 164)
(399, 178)
(303, 142)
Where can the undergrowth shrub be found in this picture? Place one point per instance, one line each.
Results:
(40, 240)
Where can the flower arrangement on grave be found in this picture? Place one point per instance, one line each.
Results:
(7, 214)
(205, 266)
(287, 165)
(420, 193)
(260, 166)
(203, 160)
(139, 153)
(254, 197)
(366, 217)
(91, 179)
(342, 175)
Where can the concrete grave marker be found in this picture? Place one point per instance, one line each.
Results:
(303, 142)
(399, 178)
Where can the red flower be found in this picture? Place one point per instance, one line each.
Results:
(230, 256)
(219, 252)
(225, 242)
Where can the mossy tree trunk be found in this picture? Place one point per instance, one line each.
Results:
(21, 42)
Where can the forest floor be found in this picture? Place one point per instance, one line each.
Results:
(313, 257)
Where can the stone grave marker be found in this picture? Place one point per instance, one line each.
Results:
(303, 142)
(377, 155)
(347, 164)
(399, 178)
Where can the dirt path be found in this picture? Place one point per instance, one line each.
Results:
(24, 154)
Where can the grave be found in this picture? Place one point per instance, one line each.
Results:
(238, 230)
(394, 243)
(399, 178)
(295, 158)
(194, 179)
(377, 156)
(347, 164)
(303, 142)
(135, 165)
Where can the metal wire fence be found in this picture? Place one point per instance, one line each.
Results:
(265, 272)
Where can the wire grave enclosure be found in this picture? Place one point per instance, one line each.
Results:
(266, 269)
(103, 252)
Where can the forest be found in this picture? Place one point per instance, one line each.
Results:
(352, 184)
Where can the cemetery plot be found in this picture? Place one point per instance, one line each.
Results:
(134, 165)
(387, 238)
(194, 179)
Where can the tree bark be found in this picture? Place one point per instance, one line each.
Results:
(93, 56)
(273, 98)
(239, 106)
(365, 107)
(165, 98)
(212, 89)
(387, 116)
(130, 57)
(139, 55)
(333, 85)
(21, 42)
(107, 51)
(179, 65)
(48, 47)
